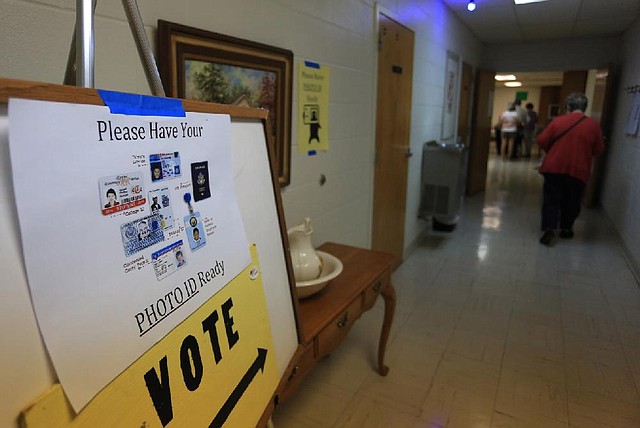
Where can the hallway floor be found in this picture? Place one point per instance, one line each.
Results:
(493, 329)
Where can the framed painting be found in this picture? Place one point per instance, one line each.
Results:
(206, 66)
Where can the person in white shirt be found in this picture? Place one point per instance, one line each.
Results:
(508, 130)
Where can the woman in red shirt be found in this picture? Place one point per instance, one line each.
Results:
(570, 141)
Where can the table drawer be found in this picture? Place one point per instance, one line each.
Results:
(331, 336)
(304, 364)
(373, 291)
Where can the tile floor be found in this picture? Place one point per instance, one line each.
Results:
(493, 329)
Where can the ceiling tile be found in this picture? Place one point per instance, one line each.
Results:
(601, 27)
(547, 31)
(539, 13)
(489, 16)
(562, 19)
(504, 34)
(595, 9)
(460, 6)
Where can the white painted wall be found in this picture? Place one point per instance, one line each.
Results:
(621, 192)
(36, 35)
(336, 33)
(436, 32)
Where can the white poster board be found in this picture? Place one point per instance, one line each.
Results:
(135, 221)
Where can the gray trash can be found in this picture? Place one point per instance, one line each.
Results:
(443, 180)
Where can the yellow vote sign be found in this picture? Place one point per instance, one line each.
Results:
(215, 369)
(313, 107)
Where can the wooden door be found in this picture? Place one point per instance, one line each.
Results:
(480, 131)
(549, 96)
(572, 81)
(466, 83)
(393, 122)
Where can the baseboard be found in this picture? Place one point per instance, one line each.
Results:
(630, 258)
(633, 263)
(414, 244)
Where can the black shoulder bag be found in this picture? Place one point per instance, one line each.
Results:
(552, 142)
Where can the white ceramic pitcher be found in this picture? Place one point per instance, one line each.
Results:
(307, 265)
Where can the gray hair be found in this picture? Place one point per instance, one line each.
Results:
(577, 101)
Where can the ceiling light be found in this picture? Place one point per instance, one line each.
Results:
(513, 84)
(503, 77)
(471, 6)
(527, 1)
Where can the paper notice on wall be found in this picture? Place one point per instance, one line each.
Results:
(633, 116)
(313, 107)
(128, 225)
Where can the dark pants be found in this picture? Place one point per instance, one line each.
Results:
(517, 142)
(498, 139)
(561, 199)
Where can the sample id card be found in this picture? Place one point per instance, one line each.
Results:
(164, 166)
(195, 231)
(160, 203)
(121, 192)
(169, 259)
(141, 233)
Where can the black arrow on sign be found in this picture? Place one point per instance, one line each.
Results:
(227, 407)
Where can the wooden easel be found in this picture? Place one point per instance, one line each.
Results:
(256, 165)
(52, 407)
(256, 183)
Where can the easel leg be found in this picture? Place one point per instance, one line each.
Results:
(144, 47)
(139, 36)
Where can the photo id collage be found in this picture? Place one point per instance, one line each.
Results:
(147, 196)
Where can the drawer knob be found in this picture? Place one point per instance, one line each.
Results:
(294, 372)
(342, 322)
(378, 286)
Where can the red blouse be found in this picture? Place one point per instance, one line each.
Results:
(571, 154)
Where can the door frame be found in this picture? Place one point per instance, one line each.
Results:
(465, 102)
(480, 130)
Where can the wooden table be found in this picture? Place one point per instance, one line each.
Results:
(326, 317)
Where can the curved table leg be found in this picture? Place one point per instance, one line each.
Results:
(389, 295)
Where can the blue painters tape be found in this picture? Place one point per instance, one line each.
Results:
(312, 153)
(141, 105)
(312, 64)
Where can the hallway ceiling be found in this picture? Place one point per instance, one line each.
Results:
(501, 21)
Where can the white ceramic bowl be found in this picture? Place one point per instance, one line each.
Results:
(331, 268)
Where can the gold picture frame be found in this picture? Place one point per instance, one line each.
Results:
(206, 66)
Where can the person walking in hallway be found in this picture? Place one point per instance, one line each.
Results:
(529, 129)
(498, 137)
(508, 130)
(519, 138)
(569, 141)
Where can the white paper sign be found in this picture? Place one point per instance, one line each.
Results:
(128, 224)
